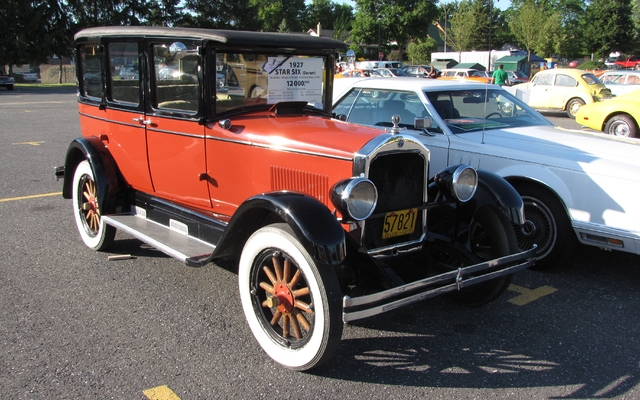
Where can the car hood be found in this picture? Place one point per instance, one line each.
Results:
(564, 148)
(321, 135)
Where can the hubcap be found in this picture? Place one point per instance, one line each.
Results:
(285, 299)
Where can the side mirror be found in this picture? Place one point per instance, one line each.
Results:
(422, 123)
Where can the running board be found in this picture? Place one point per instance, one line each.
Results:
(170, 241)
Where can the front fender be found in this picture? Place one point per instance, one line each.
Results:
(495, 190)
(104, 169)
(314, 225)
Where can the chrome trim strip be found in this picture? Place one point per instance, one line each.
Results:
(111, 121)
(191, 135)
(278, 148)
(513, 263)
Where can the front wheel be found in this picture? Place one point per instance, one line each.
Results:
(293, 306)
(547, 225)
(490, 236)
(573, 106)
(621, 125)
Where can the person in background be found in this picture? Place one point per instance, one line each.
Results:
(500, 77)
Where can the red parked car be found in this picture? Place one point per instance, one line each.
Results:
(223, 148)
(632, 62)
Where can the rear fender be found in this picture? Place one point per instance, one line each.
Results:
(106, 174)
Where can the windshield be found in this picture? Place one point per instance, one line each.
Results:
(460, 110)
(247, 79)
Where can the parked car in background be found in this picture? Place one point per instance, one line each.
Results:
(357, 73)
(517, 77)
(129, 71)
(325, 221)
(30, 77)
(468, 74)
(621, 81)
(576, 186)
(562, 89)
(6, 80)
(632, 62)
(610, 62)
(618, 117)
(391, 72)
(421, 71)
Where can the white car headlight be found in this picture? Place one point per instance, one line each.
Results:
(459, 181)
(355, 198)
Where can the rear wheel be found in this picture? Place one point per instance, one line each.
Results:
(293, 306)
(621, 125)
(88, 212)
(490, 236)
(573, 106)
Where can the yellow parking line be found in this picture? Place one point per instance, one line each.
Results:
(34, 196)
(160, 393)
(31, 143)
(529, 295)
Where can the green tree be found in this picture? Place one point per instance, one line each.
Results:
(399, 21)
(270, 13)
(220, 14)
(87, 13)
(462, 25)
(607, 27)
(419, 51)
(164, 13)
(535, 26)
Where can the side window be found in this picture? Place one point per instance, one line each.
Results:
(124, 71)
(90, 70)
(345, 105)
(633, 80)
(565, 81)
(175, 84)
(543, 79)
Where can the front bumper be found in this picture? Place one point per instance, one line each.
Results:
(367, 306)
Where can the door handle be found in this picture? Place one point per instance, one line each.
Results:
(142, 121)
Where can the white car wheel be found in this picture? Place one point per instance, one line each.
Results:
(293, 307)
(87, 210)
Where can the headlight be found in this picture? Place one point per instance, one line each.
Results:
(355, 198)
(459, 181)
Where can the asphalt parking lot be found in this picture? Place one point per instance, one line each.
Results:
(75, 325)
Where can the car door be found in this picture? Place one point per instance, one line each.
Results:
(541, 90)
(109, 106)
(175, 138)
(563, 89)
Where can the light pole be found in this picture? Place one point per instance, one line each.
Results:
(379, 39)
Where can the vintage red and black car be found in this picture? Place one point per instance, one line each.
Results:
(220, 146)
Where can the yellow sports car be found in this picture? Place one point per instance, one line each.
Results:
(618, 116)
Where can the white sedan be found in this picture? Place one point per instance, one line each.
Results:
(576, 186)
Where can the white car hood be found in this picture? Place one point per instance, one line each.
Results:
(567, 149)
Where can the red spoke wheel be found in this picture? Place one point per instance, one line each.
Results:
(292, 305)
(87, 210)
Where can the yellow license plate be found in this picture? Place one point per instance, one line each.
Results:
(398, 223)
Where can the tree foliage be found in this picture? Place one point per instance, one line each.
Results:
(608, 27)
(419, 51)
(399, 21)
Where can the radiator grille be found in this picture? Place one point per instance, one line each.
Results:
(315, 185)
(400, 180)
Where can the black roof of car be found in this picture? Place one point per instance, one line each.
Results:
(229, 37)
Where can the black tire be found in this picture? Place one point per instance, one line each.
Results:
(621, 125)
(547, 225)
(88, 212)
(573, 106)
(278, 279)
(9, 87)
(491, 236)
